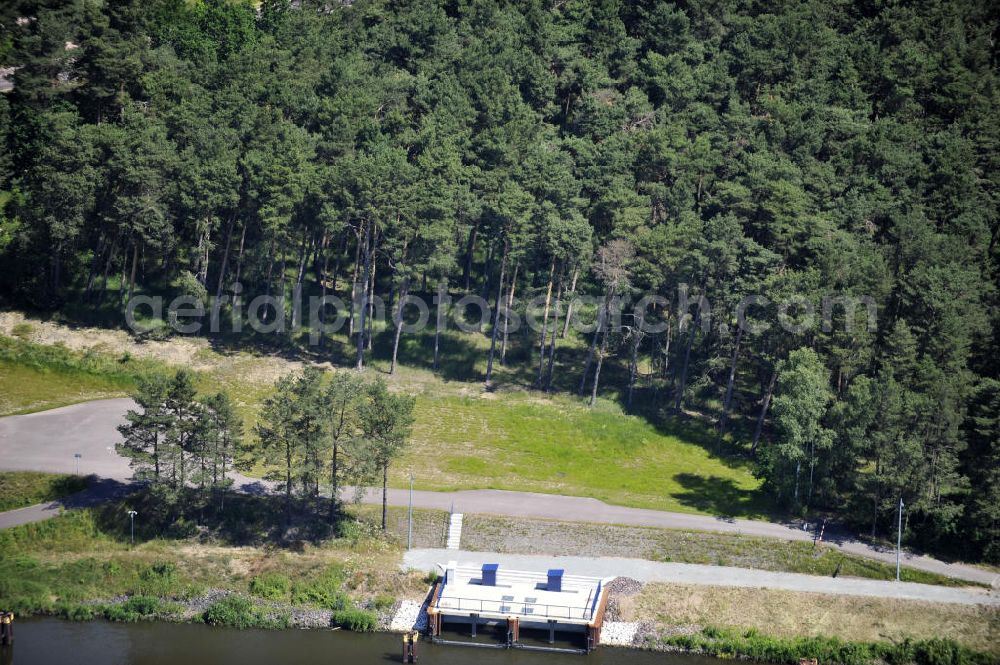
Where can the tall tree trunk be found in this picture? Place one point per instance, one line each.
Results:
(442, 291)
(107, 266)
(727, 400)
(354, 282)
(572, 295)
(385, 493)
(288, 480)
(336, 266)
(239, 255)
(364, 306)
(506, 314)
(666, 347)
(487, 269)
(470, 251)
(56, 264)
(545, 321)
(371, 297)
(604, 346)
(206, 249)
(679, 398)
(270, 274)
(593, 349)
(131, 278)
(123, 281)
(763, 412)
(303, 255)
(633, 367)
(321, 256)
(94, 262)
(403, 290)
(496, 317)
(199, 256)
(225, 257)
(553, 335)
(334, 485)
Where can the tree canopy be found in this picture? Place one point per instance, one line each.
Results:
(786, 150)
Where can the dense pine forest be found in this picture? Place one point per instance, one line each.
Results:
(552, 148)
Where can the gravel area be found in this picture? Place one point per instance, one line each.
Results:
(619, 633)
(411, 615)
(619, 589)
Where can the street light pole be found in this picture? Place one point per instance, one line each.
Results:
(131, 516)
(899, 536)
(409, 532)
(77, 456)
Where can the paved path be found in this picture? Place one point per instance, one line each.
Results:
(48, 440)
(686, 573)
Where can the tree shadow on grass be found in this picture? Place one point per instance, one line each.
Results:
(720, 496)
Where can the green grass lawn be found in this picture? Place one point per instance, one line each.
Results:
(522, 441)
(26, 488)
(29, 389)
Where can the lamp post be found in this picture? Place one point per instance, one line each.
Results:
(899, 536)
(131, 517)
(77, 456)
(409, 512)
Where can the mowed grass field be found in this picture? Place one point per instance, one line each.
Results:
(792, 614)
(522, 441)
(28, 389)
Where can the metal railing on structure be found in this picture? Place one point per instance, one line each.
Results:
(509, 607)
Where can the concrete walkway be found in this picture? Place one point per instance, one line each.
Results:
(427, 560)
(48, 441)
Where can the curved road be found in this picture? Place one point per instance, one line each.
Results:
(48, 441)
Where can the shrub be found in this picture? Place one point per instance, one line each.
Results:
(271, 586)
(323, 591)
(383, 601)
(353, 531)
(134, 609)
(157, 579)
(239, 612)
(22, 330)
(74, 612)
(753, 646)
(361, 621)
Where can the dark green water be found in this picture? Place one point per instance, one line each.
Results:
(55, 642)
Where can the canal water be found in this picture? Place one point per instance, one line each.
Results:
(44, 641)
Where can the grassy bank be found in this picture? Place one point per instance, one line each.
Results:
(36, 377)
(751, 645)
(251, 566)
(494, 533)
(681, 611)
(26, 488)
(463, 438)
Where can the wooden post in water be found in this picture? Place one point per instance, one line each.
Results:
(410, 647)
(513, 631)
(6, 628)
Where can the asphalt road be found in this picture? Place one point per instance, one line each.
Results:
(686, 573)
(48, 441)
